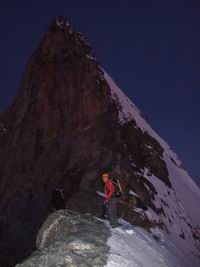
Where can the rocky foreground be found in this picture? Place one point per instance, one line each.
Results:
(70, 239)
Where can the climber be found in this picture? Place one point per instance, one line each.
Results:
(110, 201)
(58, 199)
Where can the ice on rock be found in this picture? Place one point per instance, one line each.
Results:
(61, 22)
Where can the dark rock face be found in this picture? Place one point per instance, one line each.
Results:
(69, 239)
(62, 132)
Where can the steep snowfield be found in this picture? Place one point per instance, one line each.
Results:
(134, 247)
(181, 202)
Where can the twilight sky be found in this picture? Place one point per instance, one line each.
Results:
(150, 48)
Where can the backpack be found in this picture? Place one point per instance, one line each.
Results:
(117, 186)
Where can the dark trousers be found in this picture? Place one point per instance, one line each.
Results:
(112, 211)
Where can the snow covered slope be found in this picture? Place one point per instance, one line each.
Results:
(180, 203)
(134, 247)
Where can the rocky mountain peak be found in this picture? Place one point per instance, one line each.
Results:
(69, 123)
(62, 37)
(61, 22)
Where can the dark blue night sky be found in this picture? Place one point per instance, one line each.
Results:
(151, 49)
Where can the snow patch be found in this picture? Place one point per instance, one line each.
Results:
(133, 193)
(61, 22)
(134, 247)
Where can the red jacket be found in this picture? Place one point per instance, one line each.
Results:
(109, 189)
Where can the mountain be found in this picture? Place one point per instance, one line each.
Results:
(68, 124)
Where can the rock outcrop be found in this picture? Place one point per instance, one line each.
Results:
(70, 239)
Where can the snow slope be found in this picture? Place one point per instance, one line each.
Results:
(181, 201)
(134, 247)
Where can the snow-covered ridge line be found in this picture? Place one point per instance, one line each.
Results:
(128, 110)
(131, 111)
(182, 216)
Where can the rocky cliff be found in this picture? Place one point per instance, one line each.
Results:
(69, 123)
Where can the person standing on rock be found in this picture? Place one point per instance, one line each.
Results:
(110, 200)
